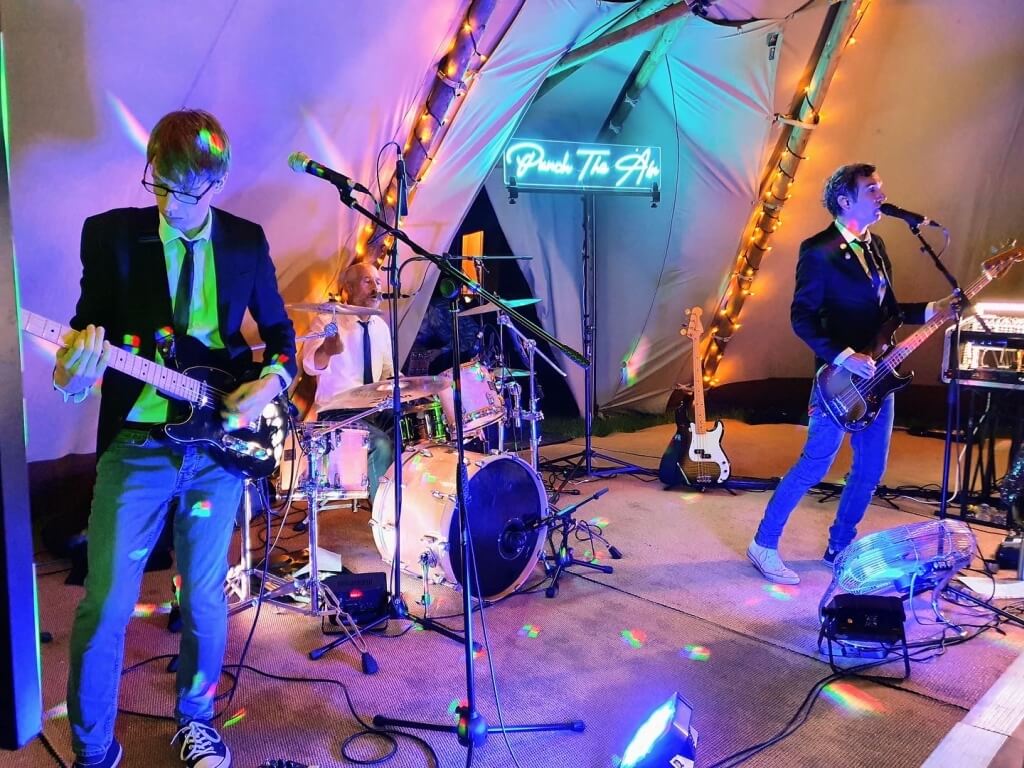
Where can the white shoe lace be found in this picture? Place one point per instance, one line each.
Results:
(198, 740)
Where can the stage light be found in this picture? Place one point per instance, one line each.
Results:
(665, 739)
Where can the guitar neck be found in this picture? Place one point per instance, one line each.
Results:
(700, 427)
(169, 382)
(902, 351)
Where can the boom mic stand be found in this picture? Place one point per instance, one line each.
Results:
(953, 393)
(472, 729)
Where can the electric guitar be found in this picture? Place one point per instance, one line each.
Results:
(695, 451)
(852, 402)
(253, 451)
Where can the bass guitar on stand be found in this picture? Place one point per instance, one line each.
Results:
(695, 451)
(852, 402)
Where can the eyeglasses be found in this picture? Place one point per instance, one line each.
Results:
(161, 191)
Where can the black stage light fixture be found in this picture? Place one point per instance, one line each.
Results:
(666, 739)
(865, 626)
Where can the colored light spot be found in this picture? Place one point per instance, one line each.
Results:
(57, 712)
(600, 522)
(130, 124)
(851, 698)
(202, 508)
(138, 554)
(144, 610)
(131, 340)
(163, 334)
(425, 601)
(479, 653)
(635, 638)
(689, 498)
(529, 630)
(696, 653)
(783, 592)
(634, 361)
(235, 718)
(211, 142)
(453, 707)
(591, 557)
(176, 583)
(429, 479)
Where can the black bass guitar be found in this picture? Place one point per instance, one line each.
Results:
(852, 402)
(253, 451)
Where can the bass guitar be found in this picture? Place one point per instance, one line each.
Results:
(852, 402)
(252, 451)
(696, 451)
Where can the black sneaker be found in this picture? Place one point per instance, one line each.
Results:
(829, 558)
(201, 746)
(109, 760)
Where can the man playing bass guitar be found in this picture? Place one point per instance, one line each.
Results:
(842, 301)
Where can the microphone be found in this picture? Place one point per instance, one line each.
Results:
(403, 185)
(301, 163)
(390, 296)
(913, 220)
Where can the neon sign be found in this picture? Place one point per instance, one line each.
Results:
(572, 166)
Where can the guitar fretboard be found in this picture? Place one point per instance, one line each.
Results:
(165, 380)
(902, 351)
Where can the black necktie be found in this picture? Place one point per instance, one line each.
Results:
(367, 360)
(183, 296)
(874, 269)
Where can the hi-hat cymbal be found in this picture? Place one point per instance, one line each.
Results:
(371, 395)
(488, 307)
(333, 308)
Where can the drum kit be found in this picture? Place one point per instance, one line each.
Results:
(327, 461)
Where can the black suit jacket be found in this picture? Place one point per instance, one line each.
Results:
(125, 290)
(835, 305)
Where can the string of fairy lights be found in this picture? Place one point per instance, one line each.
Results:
(780, 178)
(456, 73)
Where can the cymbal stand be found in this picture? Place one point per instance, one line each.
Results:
(316, 444)
(534, 414)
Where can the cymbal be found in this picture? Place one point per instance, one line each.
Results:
(488, 307)
(410, 388)
(333, 308)
(511, 373)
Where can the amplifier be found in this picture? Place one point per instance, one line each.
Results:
(364, 596)
(991, 349)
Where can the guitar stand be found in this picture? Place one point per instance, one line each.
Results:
(563, 524)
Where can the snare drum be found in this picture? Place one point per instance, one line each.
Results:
(504, 497)
(424, 423)
(482, 403)
(344, 469)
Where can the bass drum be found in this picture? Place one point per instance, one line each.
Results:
(504, 497)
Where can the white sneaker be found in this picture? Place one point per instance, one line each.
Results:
(771, 566)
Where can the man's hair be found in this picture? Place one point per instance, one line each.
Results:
(844, 182)
(189, 146)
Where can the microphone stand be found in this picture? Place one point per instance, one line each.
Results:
(953, 393)
(472, 728)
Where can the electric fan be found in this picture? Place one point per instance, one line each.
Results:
(904, 561)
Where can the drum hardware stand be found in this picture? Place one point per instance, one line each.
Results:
(322, 600)
(534, 414)
(472, 729)
(561, 556)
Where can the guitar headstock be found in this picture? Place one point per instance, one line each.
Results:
(996, 266)
(694, 329)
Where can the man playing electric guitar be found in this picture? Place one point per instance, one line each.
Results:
(186, 266)
(843, 299)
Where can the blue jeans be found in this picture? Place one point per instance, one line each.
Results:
(136, 479)
(382, 449)
(870, 453)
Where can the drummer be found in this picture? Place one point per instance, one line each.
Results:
(359, 354)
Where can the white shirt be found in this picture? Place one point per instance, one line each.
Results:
(344, 371)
